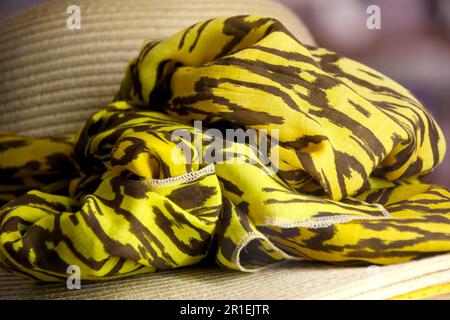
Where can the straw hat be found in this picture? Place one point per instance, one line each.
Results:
(418, 279)
(52, 79)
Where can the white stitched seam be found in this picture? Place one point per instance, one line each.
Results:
(181, 179)
(242, 243)
(323, 222)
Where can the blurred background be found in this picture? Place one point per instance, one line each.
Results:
(412, 46)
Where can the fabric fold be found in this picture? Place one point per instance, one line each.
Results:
(333, 171)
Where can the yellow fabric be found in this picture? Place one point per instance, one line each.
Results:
(348, 149)
(426, 293)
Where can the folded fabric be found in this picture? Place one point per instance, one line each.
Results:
(123, 196)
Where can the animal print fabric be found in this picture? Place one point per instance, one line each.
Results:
(121, 198)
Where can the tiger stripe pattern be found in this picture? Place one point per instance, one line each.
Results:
(120, 198)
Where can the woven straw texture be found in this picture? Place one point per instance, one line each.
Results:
(53, 78)
(288, 281)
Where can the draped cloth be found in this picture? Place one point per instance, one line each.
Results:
(123, 197)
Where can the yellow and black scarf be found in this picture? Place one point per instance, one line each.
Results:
(121, 198)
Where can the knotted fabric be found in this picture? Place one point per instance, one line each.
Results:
(123, 197)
